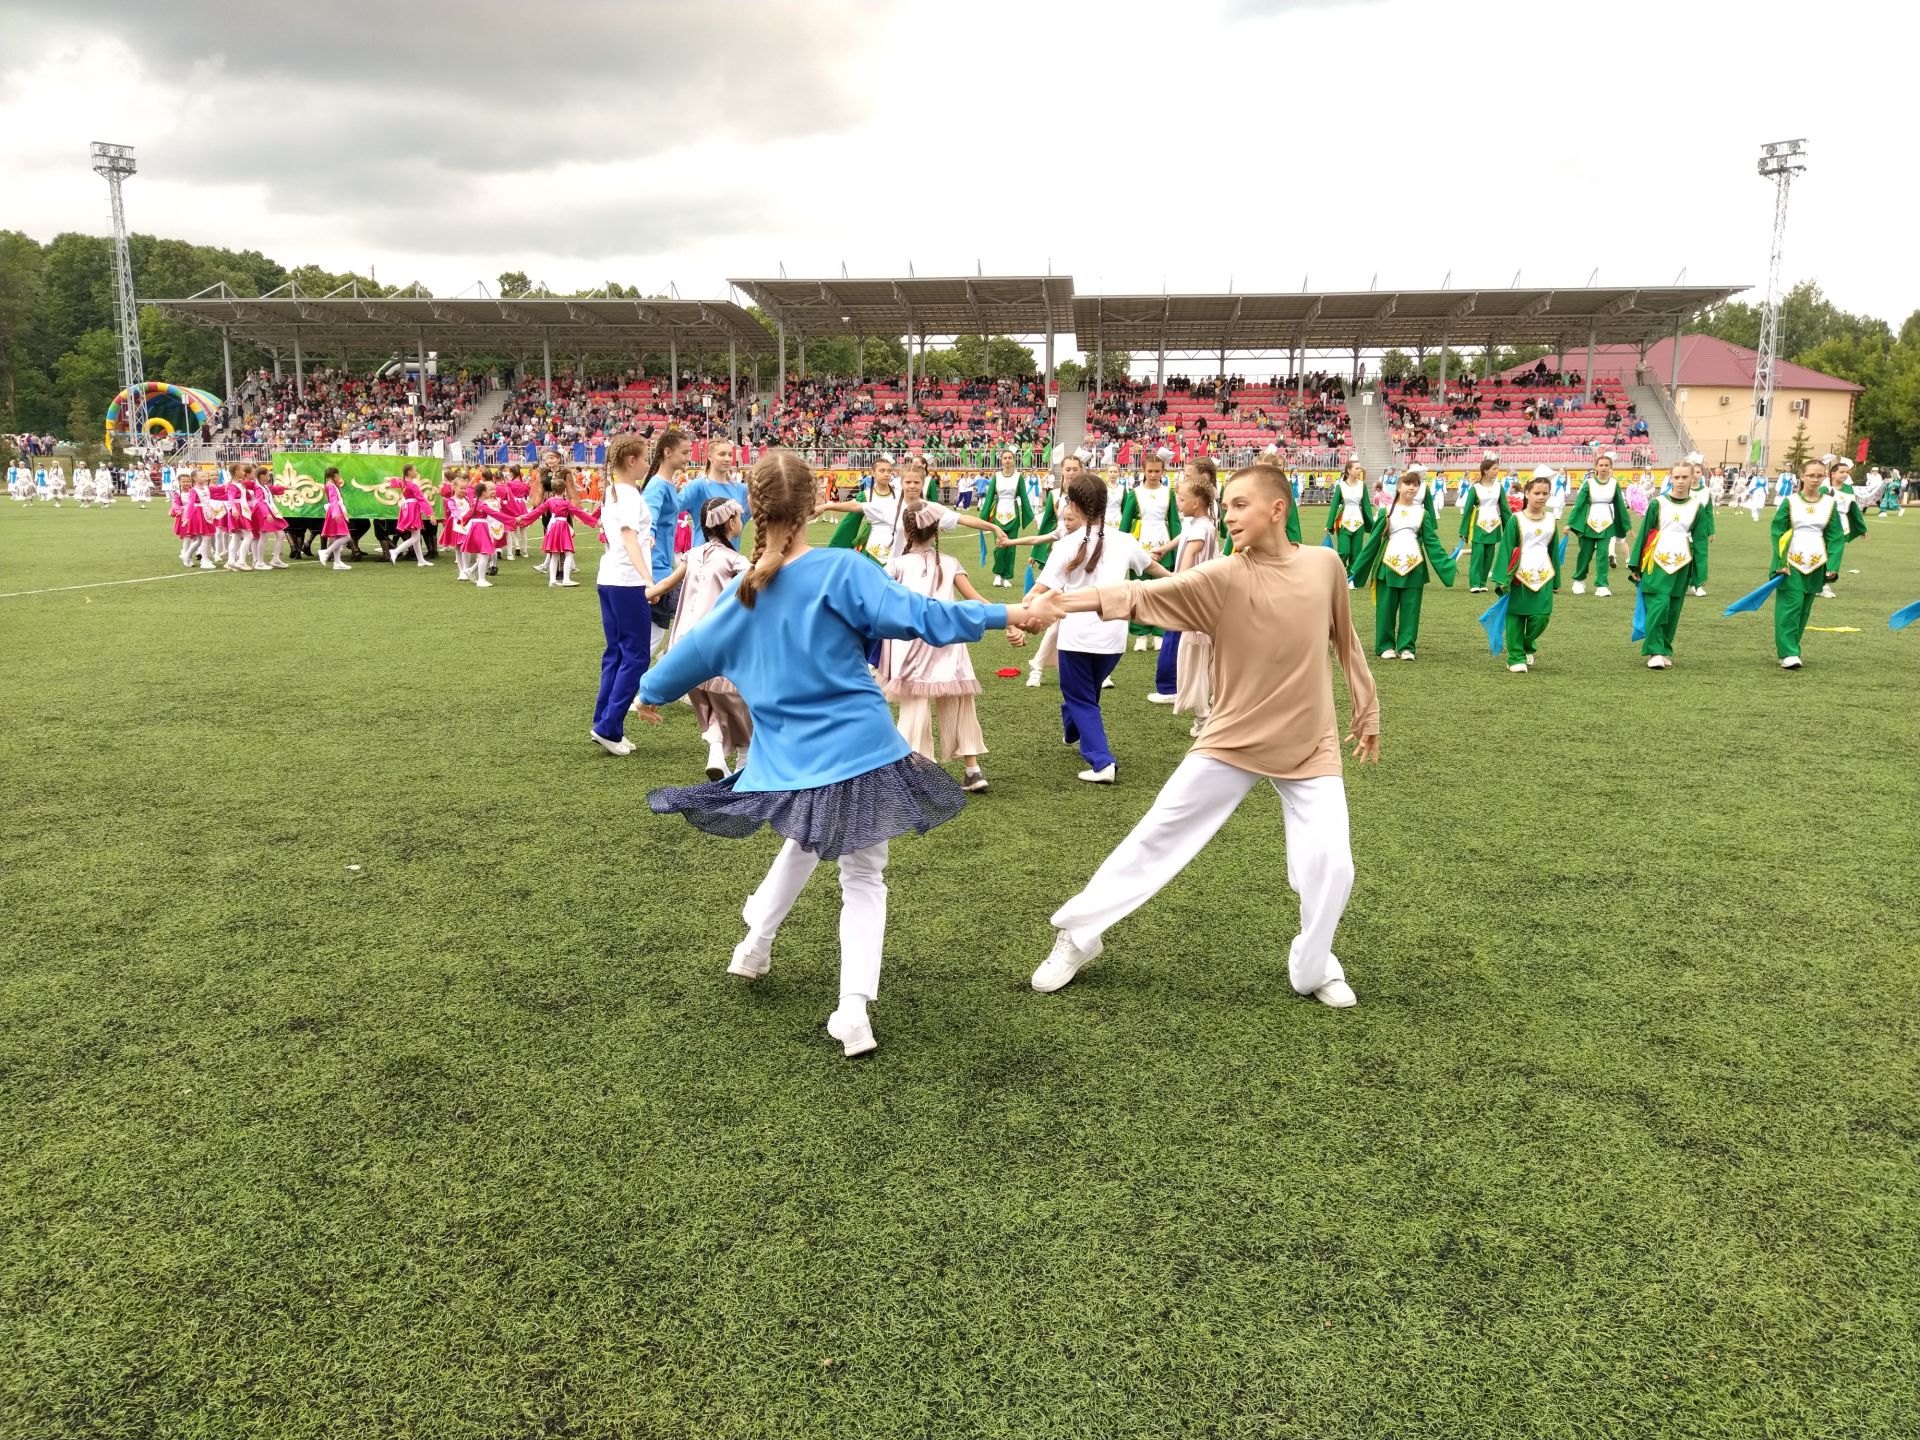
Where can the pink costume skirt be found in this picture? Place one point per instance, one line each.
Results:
(336, 523)
(414, 515)
(559, 538)
(179, 526)
(265, 522)
(197, 523)
(478, 539)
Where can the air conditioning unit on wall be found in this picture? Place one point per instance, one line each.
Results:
(1798, 407)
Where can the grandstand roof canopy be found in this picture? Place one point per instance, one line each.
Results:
(966, 305)
(1378, 319)
(352, 321)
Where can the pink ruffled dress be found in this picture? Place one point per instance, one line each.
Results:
(913, 668)
(711, 567)
(414, 513)
(335, 526)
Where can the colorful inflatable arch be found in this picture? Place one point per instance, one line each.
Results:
(170, 409)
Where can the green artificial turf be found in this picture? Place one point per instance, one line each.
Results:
(367, 1067)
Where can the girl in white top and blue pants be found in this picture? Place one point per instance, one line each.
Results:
(622, 586)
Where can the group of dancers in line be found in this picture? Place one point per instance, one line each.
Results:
(791, 654)
(31, 484)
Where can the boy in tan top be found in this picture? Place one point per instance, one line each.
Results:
(1273, 608)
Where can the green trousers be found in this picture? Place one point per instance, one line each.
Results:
(1592, 552)
(1663, 618)
(1835, 554)
(1523, 635)
(1347, 545)
(1005, 556)
(1792, 607)
(1396, 617)
(1480, 561)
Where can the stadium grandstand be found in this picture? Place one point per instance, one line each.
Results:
(510, 402)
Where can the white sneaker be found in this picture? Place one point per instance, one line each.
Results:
(569, 584)
(1579, 587)
(716, 761)
(1601, 590)
(341, 565)
(1826, 593)
(854, 1032)
(1792, 662)
(1532, 659)
(1698, 590)
(281, 564)
(1477, 590)
(423, 564)
(1658, 662)
(1406, 655)
(1389, 654)
(1066, 961)
(1139, 643)
(1338, 994)
(1033, 680)
(1518, 669)
(751, 961)
(1102, 776)
(1156, 698)
(206, 565)
(1107, 684)
(480, 581)
(1352, 586)
(622, 746)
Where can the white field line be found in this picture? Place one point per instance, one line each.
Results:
(98, 584)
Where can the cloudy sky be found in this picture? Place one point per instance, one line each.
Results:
(1190, 147)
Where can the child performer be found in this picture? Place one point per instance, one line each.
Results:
(200, 527)
(1006, 504)
(139, 487)
(1272, 609)
(1673, 533)
(411, 520)
(267, 520)
(1890, 496)
(1599, 518)
(1090, 554)
(247, 532)
(1806, 533)
(1853, 520)
(882, 514)
(512, 504)
(1199, 543)
(1150, 513)
(827, 769)
(333, 533)
(177, 510)
(1525, 570)
(220, 505)
(1483, 514)
(1400, 549)
(486, 523)
(701, 576)
(558, 513)
(1349, 513)
(923, 678)
(452, 508)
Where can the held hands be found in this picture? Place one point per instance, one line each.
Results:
(1016, 637)
(1000, 537)
(1366, 748)
(648, 713)
(1042, 611)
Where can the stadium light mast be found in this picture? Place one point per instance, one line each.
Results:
(1779, 162)
(116, 162)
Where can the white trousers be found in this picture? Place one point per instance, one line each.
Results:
(1187, 813)
(863, 909)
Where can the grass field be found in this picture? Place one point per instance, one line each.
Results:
(368, 1069)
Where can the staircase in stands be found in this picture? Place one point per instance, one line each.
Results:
(1669, 441)
(1070, 420)
(481, 417)
(1371, 444)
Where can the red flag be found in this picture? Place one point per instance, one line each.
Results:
(1860, 456)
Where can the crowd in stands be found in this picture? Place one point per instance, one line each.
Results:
(347, 412)
(1228, 418)
(1538, 414)
(28, 446)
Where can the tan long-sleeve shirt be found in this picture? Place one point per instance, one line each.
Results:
(1273, 620)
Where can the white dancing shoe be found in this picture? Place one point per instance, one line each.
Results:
(1139, 642)
(1406, 655)
(423, 564)
(1389, 654)
(206, 564)
(1532, 659)
(1601, 591)
(1107, 684)
(569, 584)
(1518, 669)
(1792, 662)
(1066, 961)
(751, 960)
(341, 565)
(1156, 698)
(281, 564)
(1579, 587)
(1659, 662)
(481, 582)
(1103, 776)
(1477, 590)
(1033, 680)
(1338, 994)
(1698, 590)
(1826, 593)
(622, 746)
(854, 1032)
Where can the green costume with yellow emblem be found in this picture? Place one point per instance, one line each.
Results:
(1401, 549)
(1599, 517)
(1349, 516)
(1483, 512)
(1005, 504)
(1526, 569)
(1805, 536)
(1665, 561)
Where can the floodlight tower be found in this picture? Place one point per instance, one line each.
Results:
(1779, 162)
(116, 163)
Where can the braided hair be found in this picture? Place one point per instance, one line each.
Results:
(921, 526)
(781, 490)
(1087, 493)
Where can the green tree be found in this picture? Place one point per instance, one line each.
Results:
(1800, 450)
(1396, 365)
(514, 284)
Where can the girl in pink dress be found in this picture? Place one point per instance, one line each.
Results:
(924, 678)
(558, 513)
(449, 534)
(484, 526)
(701, 575)
(244, 541)
(333, 532)
(512, 502)
(219, 508)
(267, 521)
(200, 531)
(414, 517)
(177, 509)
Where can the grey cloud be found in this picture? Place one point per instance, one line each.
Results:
(626, 226)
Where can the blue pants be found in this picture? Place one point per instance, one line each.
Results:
(629, 632)
(1080, 677)
(1166, 672)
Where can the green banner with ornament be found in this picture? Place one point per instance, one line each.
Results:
(369, 484)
